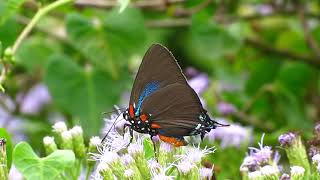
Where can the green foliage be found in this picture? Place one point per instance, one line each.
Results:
(9, 8)
(110, 41)
(4, 134)
(209, 41)
(33, 167)
(148, 148)
(84, 93)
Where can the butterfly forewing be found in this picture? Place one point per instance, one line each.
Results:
(159, 67)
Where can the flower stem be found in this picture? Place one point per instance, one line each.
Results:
(40, 13)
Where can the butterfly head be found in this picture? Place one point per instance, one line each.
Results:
(138, 122)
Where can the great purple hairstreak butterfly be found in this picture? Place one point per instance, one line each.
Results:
(162, 102)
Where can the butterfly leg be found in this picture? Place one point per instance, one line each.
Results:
(130, 131)
(154, 148)
(202, 136)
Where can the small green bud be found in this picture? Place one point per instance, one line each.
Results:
(58, 128)
(66, 140)
(270, 172)
(78, 142)
(295, 150)
(297, 173)
(166, 153)
(49, 145)
(136, 151)
(8, 55)
(105, 171)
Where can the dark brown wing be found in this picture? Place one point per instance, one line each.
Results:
(176, 108)
(158, 65)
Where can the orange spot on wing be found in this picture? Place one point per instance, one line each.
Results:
(143, 117)
(155, 126)
(172, 140)
(131, 111)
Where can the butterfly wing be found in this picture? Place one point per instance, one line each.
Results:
(176, 108)
(157, 70)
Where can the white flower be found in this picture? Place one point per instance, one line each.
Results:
(116, 141)
(185, 166)
(127, 159)
(136, 147)
(95, 140)
(66, 135)
(249, 162)
(59, 127)
(76, 130)
(157, 171)
(269, 170)
(233, 135)
(255, 175)
(48, 140)
(115, 119)
(195, 154)
(316, 159)
(262, 155)
(296, 170)
(206, 173)
(104, 155)
(128, 173)
(165, 147)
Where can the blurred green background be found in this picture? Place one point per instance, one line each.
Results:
(262, 57)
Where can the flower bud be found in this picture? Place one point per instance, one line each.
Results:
(105, 171)
(78, 142)
(49, 145)
(297, 173)
(58, 129)
(66, 138)
(295, 150)
(166, 152)
(136, 151)
(206, 173)
(270, 172)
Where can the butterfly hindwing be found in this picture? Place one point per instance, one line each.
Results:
(175, 108)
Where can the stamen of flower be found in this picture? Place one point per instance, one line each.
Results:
(296, 170)
(206, 173)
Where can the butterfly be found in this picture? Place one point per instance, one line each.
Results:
(163, 104)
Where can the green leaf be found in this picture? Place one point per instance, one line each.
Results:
(148, 148)
(34, 53)
(210, 41)
(10, 8)
(293, 41)
(4, 134)
(123, 5)
(262, 72)
(47, 168)
(108, 43)
(83, 93)
(296, 77)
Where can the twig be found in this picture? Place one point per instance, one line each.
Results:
(139, 4)
(181, 22)
(264, 47)
(307, 35)
(264, 89)
(40, 13)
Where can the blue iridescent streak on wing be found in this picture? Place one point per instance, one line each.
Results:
(148, 90)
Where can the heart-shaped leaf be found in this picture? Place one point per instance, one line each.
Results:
(4, 134)
(108, 43)
(47, 168)
(83, 93)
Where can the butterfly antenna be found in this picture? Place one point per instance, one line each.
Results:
(222, 125)
(116, 109)
(112, 127)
